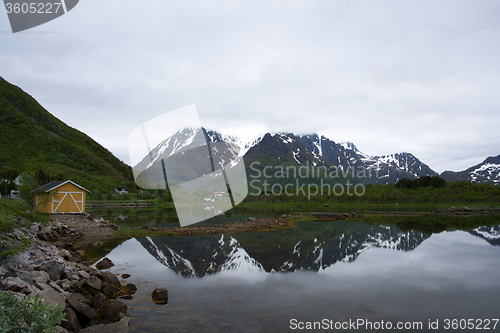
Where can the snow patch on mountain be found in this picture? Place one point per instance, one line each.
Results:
(488, 171)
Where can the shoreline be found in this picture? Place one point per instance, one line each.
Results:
(287, 221)
(54, 267)
(51, 267)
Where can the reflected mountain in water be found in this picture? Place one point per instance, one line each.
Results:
(198, 256)
(280, 251)
(491, 234)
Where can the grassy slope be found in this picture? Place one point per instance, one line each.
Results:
(31, 138)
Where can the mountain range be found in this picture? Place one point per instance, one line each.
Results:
(287, 150)
(31, 138)
(486, 172)
(345, 242)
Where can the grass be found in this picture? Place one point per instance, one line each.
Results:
(21, 208)
(21, 245)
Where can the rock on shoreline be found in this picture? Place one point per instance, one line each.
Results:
(59, 276)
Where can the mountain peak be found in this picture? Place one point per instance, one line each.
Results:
(486, 172)
(349, 145)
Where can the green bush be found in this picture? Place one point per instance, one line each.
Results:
(7, 221)
(28, 314)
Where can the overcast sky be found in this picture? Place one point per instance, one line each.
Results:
(389, 76)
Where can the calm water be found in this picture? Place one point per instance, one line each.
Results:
(337, 271)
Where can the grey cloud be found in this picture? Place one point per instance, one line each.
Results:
(389, 76)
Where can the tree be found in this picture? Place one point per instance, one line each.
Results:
(31, 191)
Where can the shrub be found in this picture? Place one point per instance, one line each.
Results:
(7, 221)
(28, 314)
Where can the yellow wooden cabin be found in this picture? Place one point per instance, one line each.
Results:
(69, 198)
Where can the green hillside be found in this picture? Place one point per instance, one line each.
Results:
(33, 140)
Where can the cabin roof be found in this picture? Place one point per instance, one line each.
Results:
(53, 185)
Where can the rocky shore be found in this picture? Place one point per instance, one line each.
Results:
(50, 267)
(249, 225)
(468, 210)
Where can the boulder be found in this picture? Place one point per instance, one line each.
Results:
(126, 297)
(49, 234)
(129, 289)
(75, 285)
(52, 268)
(84, 274)
(42, 236)
(104, 264)
(13, 284)
(65, 284)
(125, 276)
(3, 271)
(30, 289)
(65, 254)
(56, 287)
(73, 277)
(72, 323)
(55, 234)
(95, 272)
(43, 286)
(40, 276)
(119, 327)
(83, 299)
(160, 296)
(34, 228)
(94, 282)
(113, 310)
(94, 292)
(110, 290)
(98, 299)
(111, 279)
(52, 297)
(81, 308)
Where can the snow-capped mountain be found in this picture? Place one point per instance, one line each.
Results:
(188, 154)
(281, 149)
(379, 169)
(314, 150)
(287, 149)
(486, 172)
(349, 246)
(491, 234)
(206, 255)
(198, 257)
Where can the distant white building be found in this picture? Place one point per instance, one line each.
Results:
(18, 181)
(218, 195)
(14, 194)
(121, 190)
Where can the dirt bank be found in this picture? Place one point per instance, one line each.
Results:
(86, 229)
(250, 225)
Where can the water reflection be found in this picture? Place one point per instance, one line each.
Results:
(285, 251)
(257, 282)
